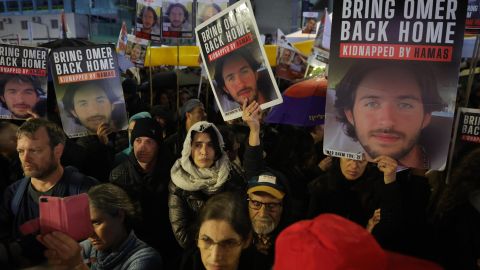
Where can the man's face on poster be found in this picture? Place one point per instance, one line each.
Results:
(148, 20)
(92, 107)
(177, 17)
(136, 52)
(388, 113)
(286, 55)
(208, 12)
(309, 26)
(20, 97)
(240, 80)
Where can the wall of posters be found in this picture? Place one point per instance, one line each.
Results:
(237, 65)
(88, 89)
(23, 81)
(393, 69)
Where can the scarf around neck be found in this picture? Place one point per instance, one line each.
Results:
(189, 177)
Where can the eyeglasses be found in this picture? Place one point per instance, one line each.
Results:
(256, 205)
(206, 242)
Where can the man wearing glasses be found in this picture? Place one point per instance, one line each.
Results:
(266, 195)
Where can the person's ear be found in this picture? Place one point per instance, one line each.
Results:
(188, 115)
(427, 117)
(58, 151)
(3, 99)
(349, 115)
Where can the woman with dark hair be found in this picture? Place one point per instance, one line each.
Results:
(223, 234)
(113, 245)
(202, 171)
(457, 217)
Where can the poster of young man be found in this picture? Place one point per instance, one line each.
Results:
(148, 19)
(393, 69)
(291, 64)
(88, 89)
(466, 135)
(208, 8)
(318, 60)
(177, 19)
(23, 81)
(309, 22)
(238, 68)
(136, 50)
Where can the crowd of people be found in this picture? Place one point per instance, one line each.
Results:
(185, 190)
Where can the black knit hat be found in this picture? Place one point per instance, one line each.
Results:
(147, 127)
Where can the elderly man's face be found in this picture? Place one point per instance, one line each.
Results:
(176, 16)
(264, 220)
(20, 98)
(92, 107)
(388, 113)
(240, 80)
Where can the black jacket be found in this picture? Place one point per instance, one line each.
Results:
(150, 192)
(185, 205)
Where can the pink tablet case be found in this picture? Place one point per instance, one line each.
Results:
(70, 215)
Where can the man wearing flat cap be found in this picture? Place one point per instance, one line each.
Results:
(266, 205)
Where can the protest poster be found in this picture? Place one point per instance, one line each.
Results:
(393, 75)
(177, 19)
(136, 50)
(147, 20)
(88, 89)
(318, 60)
(466, 136)
(236, 62)
(309, 22)
(122, 39)
(291, 64)
(207, 8)
(23, 81)
(282, 40)
(472, 23)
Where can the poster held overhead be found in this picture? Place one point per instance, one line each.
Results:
(148, 19)
(236, 62)
(23, 81)
(88, 89)
(136, 50)
(177, 19)
(391, 78)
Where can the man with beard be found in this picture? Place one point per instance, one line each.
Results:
(386, 106)
(21, 96)
(149, 20)
(145, 176)
(236, 74)
(177, 15)
(266, 194)
(92, 104)
(40, 145)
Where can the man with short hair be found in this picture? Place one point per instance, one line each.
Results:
(236, 74)
(20, 96)
(40, 145)
(91, 104)
(386, 106)
(190, 113)
(145, 176)
(178, 17)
